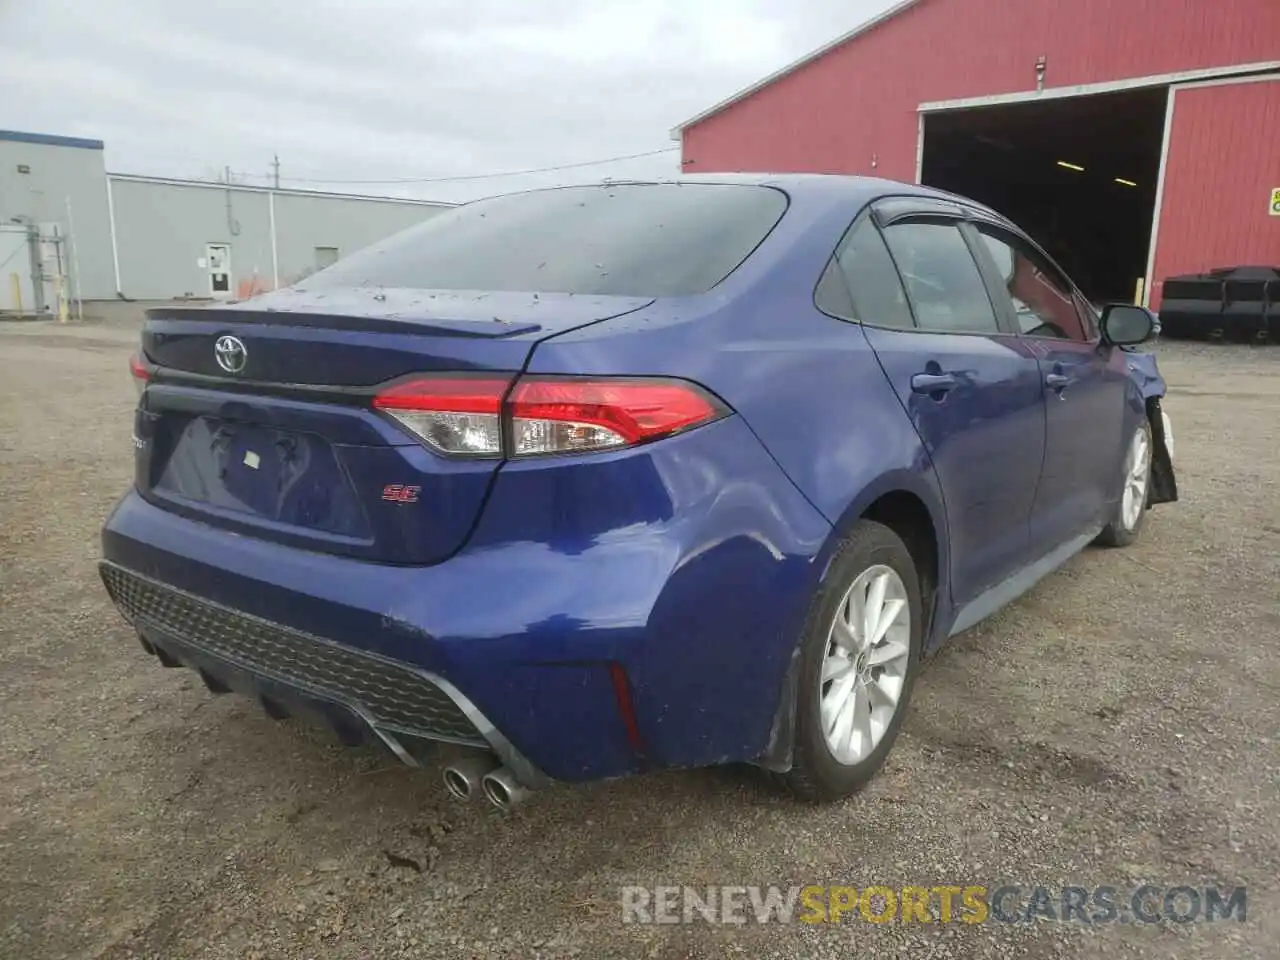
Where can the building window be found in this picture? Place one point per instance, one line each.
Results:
(326, 257)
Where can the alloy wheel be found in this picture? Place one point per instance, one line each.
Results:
(1137, 473)
(865, 667)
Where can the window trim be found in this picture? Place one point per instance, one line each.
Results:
(833, 269)
(996, 285)
(1004, 325)
(894, 209)
(992, 219)
(907, 208)
(913, 205)
(866, 215)
(1083, 305)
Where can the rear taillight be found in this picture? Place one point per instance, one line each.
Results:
(474, 415)
(554, 415)
(140, 371)
(460, 416)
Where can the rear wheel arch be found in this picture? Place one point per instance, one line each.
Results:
(910, 505)
(906, 515)
(835, 745)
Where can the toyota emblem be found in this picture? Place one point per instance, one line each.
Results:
(230, 353)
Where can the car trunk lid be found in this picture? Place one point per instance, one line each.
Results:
(258, 416)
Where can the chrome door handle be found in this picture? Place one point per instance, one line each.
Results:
(1057, 381)
(934, 382)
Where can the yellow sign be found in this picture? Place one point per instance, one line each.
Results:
(1275, 202)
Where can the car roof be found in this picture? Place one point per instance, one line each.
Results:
(830, 186)
(811, 191)
(819, 187)
(846, 184)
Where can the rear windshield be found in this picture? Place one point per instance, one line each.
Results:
(651, 240)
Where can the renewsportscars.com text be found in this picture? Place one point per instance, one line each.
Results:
(969, 904)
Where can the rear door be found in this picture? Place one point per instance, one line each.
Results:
(971, 388)
(1085, 385)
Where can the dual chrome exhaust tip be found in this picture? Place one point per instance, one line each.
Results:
(466, 778)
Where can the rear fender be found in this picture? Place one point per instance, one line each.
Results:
(923, 485)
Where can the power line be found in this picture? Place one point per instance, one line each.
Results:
(488, 176)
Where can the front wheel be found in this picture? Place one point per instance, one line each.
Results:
(1131, 509)
(859, 655)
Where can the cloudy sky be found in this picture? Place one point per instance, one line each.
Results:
(348, 90)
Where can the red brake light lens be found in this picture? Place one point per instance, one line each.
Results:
(456, 415)
(458, 394)
(466, 415)
(558, 415)
(140, 371)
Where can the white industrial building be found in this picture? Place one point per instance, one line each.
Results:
(70, 232)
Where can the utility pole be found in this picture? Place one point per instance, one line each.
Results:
(275, 170)
(75, 263)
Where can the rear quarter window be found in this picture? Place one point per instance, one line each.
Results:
(652, 240)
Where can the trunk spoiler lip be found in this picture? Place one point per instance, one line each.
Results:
(348, 322)
(358, 394)
(344, 395)
(462, 314)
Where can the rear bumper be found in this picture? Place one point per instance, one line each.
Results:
(361, 696)
(675, 578)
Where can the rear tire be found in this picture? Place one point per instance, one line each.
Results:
(860, 653)
(1131, 509)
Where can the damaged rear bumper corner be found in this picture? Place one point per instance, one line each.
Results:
(362, 697)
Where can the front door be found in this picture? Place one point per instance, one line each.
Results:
(1085, 386)
(218, 262)
(972, 389)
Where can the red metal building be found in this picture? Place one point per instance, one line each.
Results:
(866, 104)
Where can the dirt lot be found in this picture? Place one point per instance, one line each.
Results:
(1120, 724)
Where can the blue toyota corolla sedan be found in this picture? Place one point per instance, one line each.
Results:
(595, 480)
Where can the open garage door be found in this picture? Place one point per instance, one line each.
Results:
(1079, 174)
(1217, 210)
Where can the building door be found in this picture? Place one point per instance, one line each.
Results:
(1220, 171)
(218, 260)
(17, 295)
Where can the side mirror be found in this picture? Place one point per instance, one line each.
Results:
(1125, 325)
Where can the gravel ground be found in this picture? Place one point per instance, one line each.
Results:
(1119, 724)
